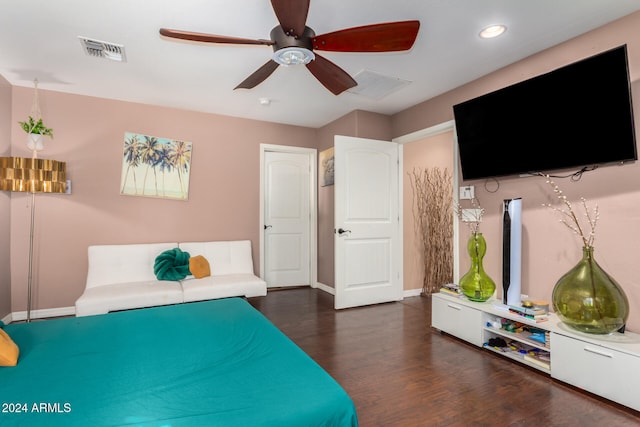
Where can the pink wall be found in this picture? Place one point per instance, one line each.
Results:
(326, 262)
(89, 133)
(549, 249)
(5, 219)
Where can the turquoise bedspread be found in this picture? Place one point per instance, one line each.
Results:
(212, 363)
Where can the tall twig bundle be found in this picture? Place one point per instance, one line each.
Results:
(433, 218)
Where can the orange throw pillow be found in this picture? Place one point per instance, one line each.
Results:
(9, 351)
(199, 267)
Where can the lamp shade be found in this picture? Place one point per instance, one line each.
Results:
(32, 175)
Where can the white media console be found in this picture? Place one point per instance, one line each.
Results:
(605, 365)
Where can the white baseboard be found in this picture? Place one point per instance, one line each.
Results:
(405, 294)
(412, 293)
(71, 311)
(328, 289)
(41, 314)
(7, 319)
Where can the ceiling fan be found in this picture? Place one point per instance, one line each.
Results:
(294, 43)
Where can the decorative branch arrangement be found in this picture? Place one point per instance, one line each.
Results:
(471, 216)
(586, 297)
(569, 217)
(432, 190)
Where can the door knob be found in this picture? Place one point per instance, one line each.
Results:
(341, 231)
(267, 226)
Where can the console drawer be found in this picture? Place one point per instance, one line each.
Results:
(599, 369)
(456, 319)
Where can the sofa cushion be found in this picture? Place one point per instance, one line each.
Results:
(231, 285)
(109, 264)
(225, 257)
(125, 296)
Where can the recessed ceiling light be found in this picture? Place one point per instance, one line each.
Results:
(492, 31)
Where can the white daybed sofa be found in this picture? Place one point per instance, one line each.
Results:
(121, 277)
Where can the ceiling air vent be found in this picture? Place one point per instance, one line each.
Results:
(100, 49)
(375, 85)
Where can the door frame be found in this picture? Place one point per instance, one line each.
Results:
(425, 133)
(313, 209)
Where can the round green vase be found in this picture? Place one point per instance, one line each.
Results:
(587, 299)
(476, 285)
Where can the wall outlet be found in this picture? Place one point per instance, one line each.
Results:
(467, 193)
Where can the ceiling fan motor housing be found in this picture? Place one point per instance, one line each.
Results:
(283, 40)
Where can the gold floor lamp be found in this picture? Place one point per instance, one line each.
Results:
(32, 175)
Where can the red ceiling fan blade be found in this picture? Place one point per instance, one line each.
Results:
(292, 15)
(330, 75)
(386, 37)
(211, 38)
(258, 76)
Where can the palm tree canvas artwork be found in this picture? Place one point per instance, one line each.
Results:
(155, 167)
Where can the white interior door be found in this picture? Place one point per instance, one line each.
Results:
(368, 245)
(287, 218)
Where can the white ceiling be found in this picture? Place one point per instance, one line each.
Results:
(39, 40)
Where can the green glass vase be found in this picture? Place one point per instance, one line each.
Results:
(587, 299)
(476, 285)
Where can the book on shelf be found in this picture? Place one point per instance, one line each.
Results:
(538, 360)
(527, 310)
(547, 339)
(541, 337)
(535, 317)
(450, 292)
(451, 289)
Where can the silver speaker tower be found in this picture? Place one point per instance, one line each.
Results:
(511, 251)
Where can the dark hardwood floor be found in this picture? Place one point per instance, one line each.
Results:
(401, 372)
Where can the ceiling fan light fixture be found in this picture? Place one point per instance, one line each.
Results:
(293, 56)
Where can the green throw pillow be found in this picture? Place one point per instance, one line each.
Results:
(172, 264)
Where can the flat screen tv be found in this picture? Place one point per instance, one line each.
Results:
(576, 116)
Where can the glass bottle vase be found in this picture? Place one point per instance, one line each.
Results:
(476, 285)
(587, 299)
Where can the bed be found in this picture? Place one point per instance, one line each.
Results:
(211, 363)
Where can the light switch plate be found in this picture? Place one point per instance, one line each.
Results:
(467, 193)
